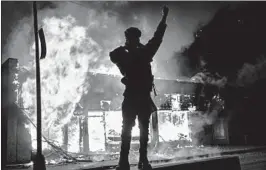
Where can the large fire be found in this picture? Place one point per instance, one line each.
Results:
(63, 73)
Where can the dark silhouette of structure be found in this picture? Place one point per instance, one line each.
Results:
(235, 35)
(134, 60)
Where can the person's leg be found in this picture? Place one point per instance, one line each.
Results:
(144, 120)
(147, 107)
(129, 117)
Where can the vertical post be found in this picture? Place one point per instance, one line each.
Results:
(48, 136)
(4, 124)
(104, 127)
(154, 131)
(105, 106)
(65, 137)
(38, 85)
(80, 134)
(86, 145)
(39, 163)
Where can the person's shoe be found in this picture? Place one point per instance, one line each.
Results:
(123, 167)
(140, 165)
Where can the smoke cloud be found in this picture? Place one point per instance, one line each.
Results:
(250, 73)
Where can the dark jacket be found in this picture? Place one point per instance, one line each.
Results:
(135, 65)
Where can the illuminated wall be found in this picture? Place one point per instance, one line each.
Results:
(15, 134)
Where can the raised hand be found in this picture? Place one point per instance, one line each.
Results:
(165, 10)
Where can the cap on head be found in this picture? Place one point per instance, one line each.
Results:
(132, 32)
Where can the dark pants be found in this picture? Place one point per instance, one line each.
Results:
(131, 108)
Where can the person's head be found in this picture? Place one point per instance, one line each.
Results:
(132, 36)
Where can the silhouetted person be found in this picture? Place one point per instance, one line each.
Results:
(134, 61)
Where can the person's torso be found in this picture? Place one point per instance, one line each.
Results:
(138, 76)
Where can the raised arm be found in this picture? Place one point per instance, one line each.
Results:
(155, 42)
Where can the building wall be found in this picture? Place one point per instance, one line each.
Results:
(16, 140)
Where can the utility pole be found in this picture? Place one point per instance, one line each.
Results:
(39, 162)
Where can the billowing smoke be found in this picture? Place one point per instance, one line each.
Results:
(201, 120)
(209, 79)
(211, 85)
(247, 76)
(251, 73)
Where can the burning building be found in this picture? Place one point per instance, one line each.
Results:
(97, 116)
(94, 122)
(103, 103)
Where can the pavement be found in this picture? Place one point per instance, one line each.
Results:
(251, 158)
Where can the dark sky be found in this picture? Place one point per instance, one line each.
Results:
(183, 19)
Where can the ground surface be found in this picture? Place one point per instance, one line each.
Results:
(251, 158)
